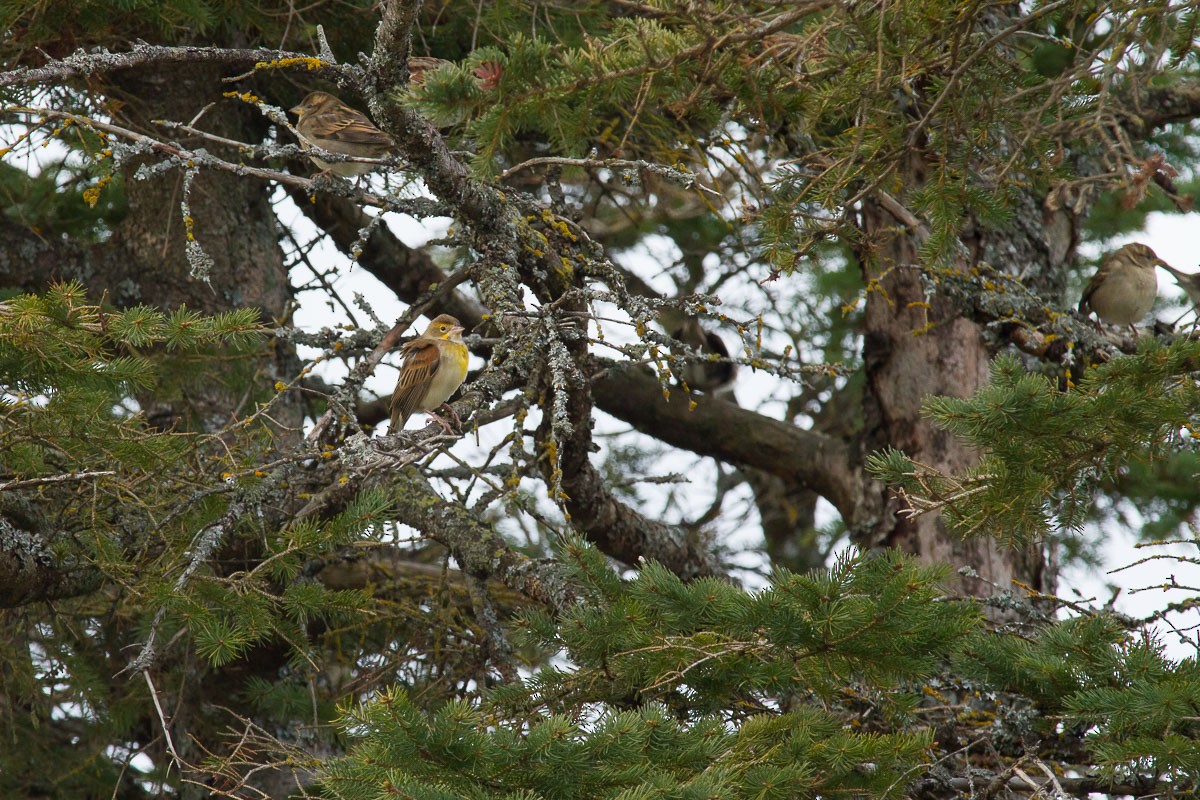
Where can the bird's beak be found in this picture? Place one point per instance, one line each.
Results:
(296, 110)
(457, 330)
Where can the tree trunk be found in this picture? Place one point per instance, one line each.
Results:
(232, 222)
(915, 345)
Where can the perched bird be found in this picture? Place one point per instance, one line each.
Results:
(418, 66)
(1188, 281)
(703, 374)
(328, 123)
(1123, 290)
(433, 367)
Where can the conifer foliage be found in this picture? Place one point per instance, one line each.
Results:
(838, 571)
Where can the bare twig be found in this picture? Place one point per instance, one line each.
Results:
(162, 719)
(205, 159)
(82, 65)
(68, 477)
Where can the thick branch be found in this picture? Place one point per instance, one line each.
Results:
(31, 572)
(395, 574)
(618, 529)
(392, 39)
(203, 158)
(422, 147)
(1165, 105)
(736, 435)
(475, 545)
(478, 548)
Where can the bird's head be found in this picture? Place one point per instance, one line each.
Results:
(313, 102)
(446, 327)
(1140, 255)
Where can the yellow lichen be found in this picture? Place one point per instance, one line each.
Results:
(245, 97)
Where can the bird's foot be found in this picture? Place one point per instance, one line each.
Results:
(441, 421)
(324, 180)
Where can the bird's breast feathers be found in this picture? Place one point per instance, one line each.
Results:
(450, 374)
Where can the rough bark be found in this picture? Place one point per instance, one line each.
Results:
(614, 526)
(917, 343)
(235, 225)
(233, 222)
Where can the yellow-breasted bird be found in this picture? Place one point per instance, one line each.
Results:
(324, 121)
(433, 366)
(1124, 287)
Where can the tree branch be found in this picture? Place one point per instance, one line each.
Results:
(30, 571)
(565, 437)
(733, 434)
(202, 158)
(392, 44)
(406, 271)
(82, 65)
(1165, 105)
(478, 548)
(421, 145)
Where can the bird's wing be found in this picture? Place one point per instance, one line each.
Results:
(352, 127)
(716, 344)
(420, 364)
(1094, 284)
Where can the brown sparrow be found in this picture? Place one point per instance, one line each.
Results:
(418, 66)
(700, 373)
(1188, 281)
(328, 123)
(1123, 290)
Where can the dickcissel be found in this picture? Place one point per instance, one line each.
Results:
(434, 365)
(324, 121)
(714, 369)
(1124, 287)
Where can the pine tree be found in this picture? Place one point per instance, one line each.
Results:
(217, 578)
